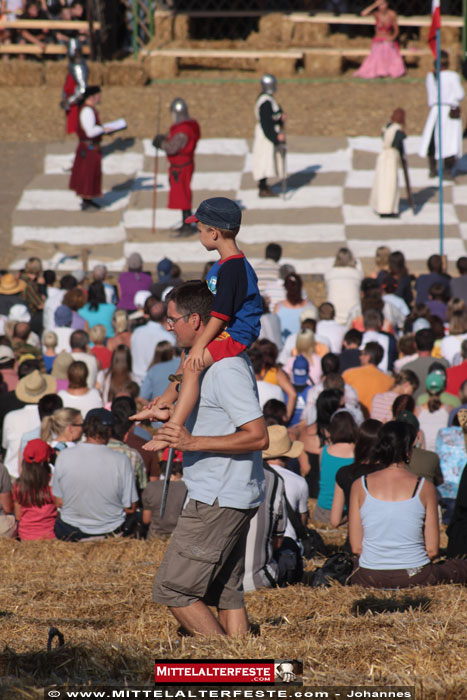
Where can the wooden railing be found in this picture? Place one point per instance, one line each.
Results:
(44, 24)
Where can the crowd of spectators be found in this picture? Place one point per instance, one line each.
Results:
(63, 10)
(79, 354)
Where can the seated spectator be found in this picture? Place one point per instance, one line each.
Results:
(457, 528)
(406, 382)
(164, 363)
(30, 389)
(60, 370)
(422, 462)
(137, 437)
(328, 327)
(99, 274)
(145, 338)
(93, 486)
(267, 270)
(398, 270)
(463, 403)
(308, 319)
(407, 352)
(367, 439)
(336, 453)
(330, 379)
(270, 326)
(306, 347)
(396, 539)
(75, 299)
(79, 343)
(7, 519)
(78, 395)
(131, 282)
(62, 429)
(62, 318)
(273, 557)
(152, 496)
(49, 353)
(367, 379)
(11, 292)
(436, 275)
(55, 298)
(39, 37)
(121, 412)
(381, 260)
(343, 284)
(119, 373)
(395, 309)
(433, 415)
(436, 302)
(7, 366)
(456, 375)
(458, 285)
(272, 374)
(47, 405)
(301, 384)
(275, 292)
(350, 355)
(450, 447)
(446, 398)
(372, 301)
(290, 309)
(373, 332)
(10, 401)
(101, 353)
(22, 344)
(122, 335)
(34, 504)
(97, 310)
(424, 342)
(451, 343)
(281, 449)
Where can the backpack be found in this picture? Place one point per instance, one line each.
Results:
(336, 568)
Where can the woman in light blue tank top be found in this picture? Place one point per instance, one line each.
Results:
(393, 520)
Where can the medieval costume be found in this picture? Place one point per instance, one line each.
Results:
(179, 145)
(75, 85)
(384, 59)
(86, 174)
(452, 93)
(268, 136)
(384, 198)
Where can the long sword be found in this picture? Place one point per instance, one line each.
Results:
(156, 169)
(168, 474)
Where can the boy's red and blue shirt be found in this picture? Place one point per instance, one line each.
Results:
(236, 300)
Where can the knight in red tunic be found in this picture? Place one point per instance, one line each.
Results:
(75, 85)
(86, 174)
(180, 144)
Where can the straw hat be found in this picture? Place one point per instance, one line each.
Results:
(10, 285)
(34, 386)
(61, 364)
(280, 444)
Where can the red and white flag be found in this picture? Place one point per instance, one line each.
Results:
(435, 25)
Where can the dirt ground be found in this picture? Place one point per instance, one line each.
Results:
(223, 104)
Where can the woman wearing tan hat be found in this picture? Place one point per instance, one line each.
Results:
(11, 290)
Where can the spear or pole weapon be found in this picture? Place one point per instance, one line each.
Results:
(156, 168)
(168, 474)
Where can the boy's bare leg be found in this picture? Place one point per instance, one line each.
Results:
(198, 619)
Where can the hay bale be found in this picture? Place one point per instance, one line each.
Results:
(96, 71)
(126, 74)
(55, 73)
(316, 65)
(163, 27)
(310, 35)
(161, 67)
(450, 36)
(271, 27)
(278, 66)
(21, 74)
(425, 64)
(181, 27)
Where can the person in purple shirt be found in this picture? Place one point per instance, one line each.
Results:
(131, 282)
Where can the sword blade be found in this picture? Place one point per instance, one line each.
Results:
(168, 474)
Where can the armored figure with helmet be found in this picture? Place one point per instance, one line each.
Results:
(75, 85)
(179, 145)
(269, 136)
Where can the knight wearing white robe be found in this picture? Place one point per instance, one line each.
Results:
(384, 198)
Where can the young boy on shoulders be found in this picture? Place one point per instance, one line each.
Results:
(236, 309)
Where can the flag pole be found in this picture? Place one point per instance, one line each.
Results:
(440, 151)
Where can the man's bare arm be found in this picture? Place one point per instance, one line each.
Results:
(248, 437)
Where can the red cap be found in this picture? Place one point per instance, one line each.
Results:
(193, 219)
(177, 457)
(37, 451)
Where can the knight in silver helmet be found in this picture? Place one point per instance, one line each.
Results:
(269, 137)
(75, 84)
(179, 145)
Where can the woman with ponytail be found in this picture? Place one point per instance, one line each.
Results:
(63, 428)
(393, 520)
(433, 415)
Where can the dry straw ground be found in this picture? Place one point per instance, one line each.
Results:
(98, 594)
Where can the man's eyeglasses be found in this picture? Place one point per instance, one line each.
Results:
(77, 425)
(171, 322)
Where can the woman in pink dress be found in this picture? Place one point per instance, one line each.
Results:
(384, 60)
